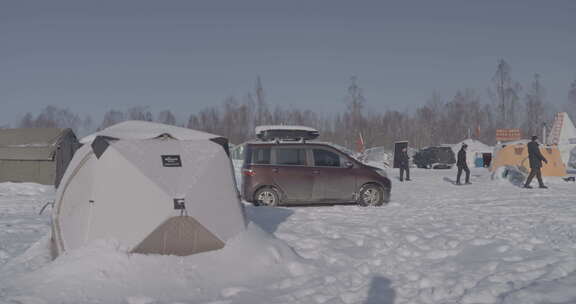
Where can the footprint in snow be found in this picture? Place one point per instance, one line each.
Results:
(481, 242)
(232, 291)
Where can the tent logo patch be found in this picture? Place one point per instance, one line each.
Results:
(179, 204)
(171, 161)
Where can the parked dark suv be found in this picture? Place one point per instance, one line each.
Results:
(297, 173)
(435, 158)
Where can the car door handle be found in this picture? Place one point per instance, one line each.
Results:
(315, 171)
(275, 170)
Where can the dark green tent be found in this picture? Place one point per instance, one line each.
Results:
(38, 155)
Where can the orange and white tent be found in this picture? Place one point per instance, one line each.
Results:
(516, 154)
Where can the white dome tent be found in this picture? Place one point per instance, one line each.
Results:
(154, 188)
(475, 150)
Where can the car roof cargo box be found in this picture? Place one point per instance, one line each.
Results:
(285, 133)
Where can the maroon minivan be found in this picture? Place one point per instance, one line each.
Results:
(301, 173)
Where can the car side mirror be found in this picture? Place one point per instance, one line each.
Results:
(348, 164)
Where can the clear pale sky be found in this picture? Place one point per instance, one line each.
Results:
(91, 56)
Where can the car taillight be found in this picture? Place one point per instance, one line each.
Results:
(249, 172)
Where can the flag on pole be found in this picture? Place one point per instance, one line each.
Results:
(360, 143)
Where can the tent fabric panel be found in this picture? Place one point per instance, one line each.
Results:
(75, 164)
(146, 155)
(179, 235)
(41, 172)
(30, 136)
(223, 142)
(82, 155)
(205, 180)
(127, 205)
(75, 207)
(147, 130)
(567, 133)
(214, 201)
(27, 153)
(517, 155)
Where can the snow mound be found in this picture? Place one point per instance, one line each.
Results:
(103, 272)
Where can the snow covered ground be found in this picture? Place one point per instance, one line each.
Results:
(490, 242)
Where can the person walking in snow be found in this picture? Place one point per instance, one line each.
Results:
(462, 165)
(536, 158)
(404, 164)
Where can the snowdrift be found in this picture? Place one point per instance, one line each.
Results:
(103, 272)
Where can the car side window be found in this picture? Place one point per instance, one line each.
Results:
(261, 156)
(325, 158)
(291, 156)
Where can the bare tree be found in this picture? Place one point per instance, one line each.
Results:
(353, 118)
(139, 113)
(262, 112)
(87, 125)
(27, 121)
(193, 122)
(427, 121)
(506, 95)
(52, 117)
(535, 107)
(112, 117)
(166, 117)
(571, 104)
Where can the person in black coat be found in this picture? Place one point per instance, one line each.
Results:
(536, 158)
(462, 165)
(404, 164)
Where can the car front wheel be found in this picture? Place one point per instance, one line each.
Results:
(371, 195)
(267, 196)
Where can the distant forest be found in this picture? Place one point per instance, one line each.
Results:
(506, 104)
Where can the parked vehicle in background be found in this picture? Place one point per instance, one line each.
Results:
(379, 155)
(435, 158)
(298, 172)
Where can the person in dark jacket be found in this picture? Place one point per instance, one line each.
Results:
(462, 165)
(404, 164)
(536, 158)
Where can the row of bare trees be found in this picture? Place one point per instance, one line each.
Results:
(438, 120)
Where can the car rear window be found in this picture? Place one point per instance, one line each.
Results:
(325, 158)
(291, 156)
(261, 156)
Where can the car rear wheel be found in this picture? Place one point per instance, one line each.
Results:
(371, 195)
(267, 197)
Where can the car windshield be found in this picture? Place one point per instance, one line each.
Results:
(347, 151)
